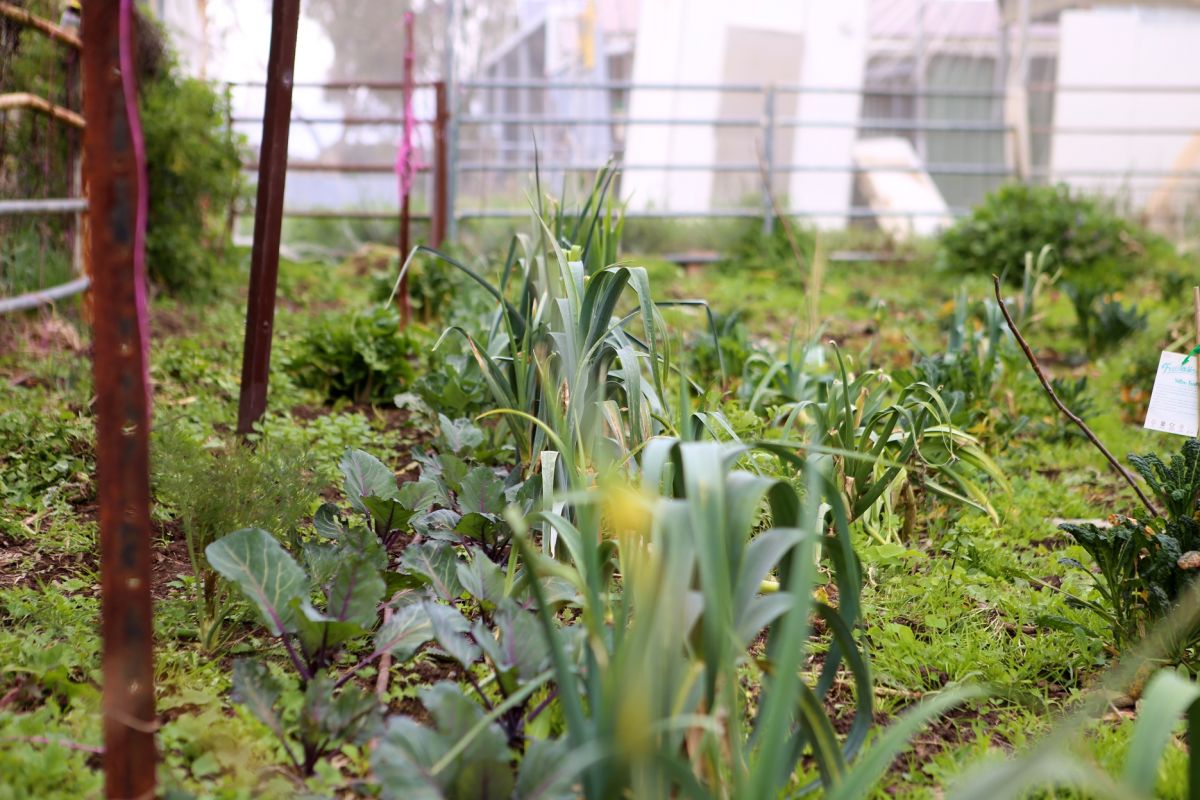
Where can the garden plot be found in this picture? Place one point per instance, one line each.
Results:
(591, 527)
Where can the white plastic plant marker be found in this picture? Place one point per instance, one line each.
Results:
(1173, 399)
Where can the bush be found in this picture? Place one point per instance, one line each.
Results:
(362, 356)
(1093, 244)
(36, 156)
(194, 172)
(758, 251)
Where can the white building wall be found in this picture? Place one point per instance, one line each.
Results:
(683, 41)
(189, 32)
(1125, 47)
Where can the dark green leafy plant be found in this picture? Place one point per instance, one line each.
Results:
(194, 168)
(1101, 321)
(348, 577)
(44, 456)
(969, 373)
(1093, 244)
(1076, 397)
(213, 488)
(1145, 563)
(361, 356)
(755, 250)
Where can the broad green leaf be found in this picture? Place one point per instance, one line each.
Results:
(346, 716)
(366, 476)
(321, 558)
(459, 434)
(482, 579)
(319, 631)
(420, 496)
(435, 563)
(328, 522)
(452, 632)
(548, 771)
(478, 526)
(521, 642)
(404, 633)
(482, 769)
(403, 758)
(265, 573)
(256, 689)
(438, 524)
(389, 513)
(356, 592)
(482, 491)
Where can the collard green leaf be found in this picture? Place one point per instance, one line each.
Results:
(336, 717)
(482, 491)
(359, 541)
(366, 476)
(435, 563)
(479, 527)
(389, 513)
(521, 641)
(328, 521)
(403, 758)
(482, 770)
(452, 632)
(420, 496)
(404, 633)
(356, 591)
(253, 560)
(482, 579)
(256, 688)
(321, 558)
(320, 632)
(438, 524)
(546, 772)
(459, 434)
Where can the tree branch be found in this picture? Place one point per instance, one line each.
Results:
(1041, 375)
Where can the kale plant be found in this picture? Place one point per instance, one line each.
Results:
(362, 356)
(1145, 563)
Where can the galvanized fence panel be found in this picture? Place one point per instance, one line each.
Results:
(498, 132)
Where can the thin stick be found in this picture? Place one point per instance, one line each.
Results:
(385, 664)
(1041, 375)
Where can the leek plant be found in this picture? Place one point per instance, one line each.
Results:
(652, 694)
(888, 444)
(575, 355)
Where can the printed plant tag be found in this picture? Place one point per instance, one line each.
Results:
(1173, 403)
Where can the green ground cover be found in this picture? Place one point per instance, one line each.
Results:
(960, 564)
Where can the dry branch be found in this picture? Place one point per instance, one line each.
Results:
(1041, 375)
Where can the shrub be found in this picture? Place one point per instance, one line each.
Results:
(194, 173)
(362, 356)
(36, 156)
(758, 251)
(1094, 244)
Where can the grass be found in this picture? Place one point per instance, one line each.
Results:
(960, 603)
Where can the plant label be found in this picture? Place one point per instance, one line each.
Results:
(1174, 400)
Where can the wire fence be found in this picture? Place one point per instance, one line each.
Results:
(709, 150)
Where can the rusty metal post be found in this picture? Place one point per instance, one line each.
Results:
(440, 210)
(268, 214)
(406, 167)
(122, 418)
